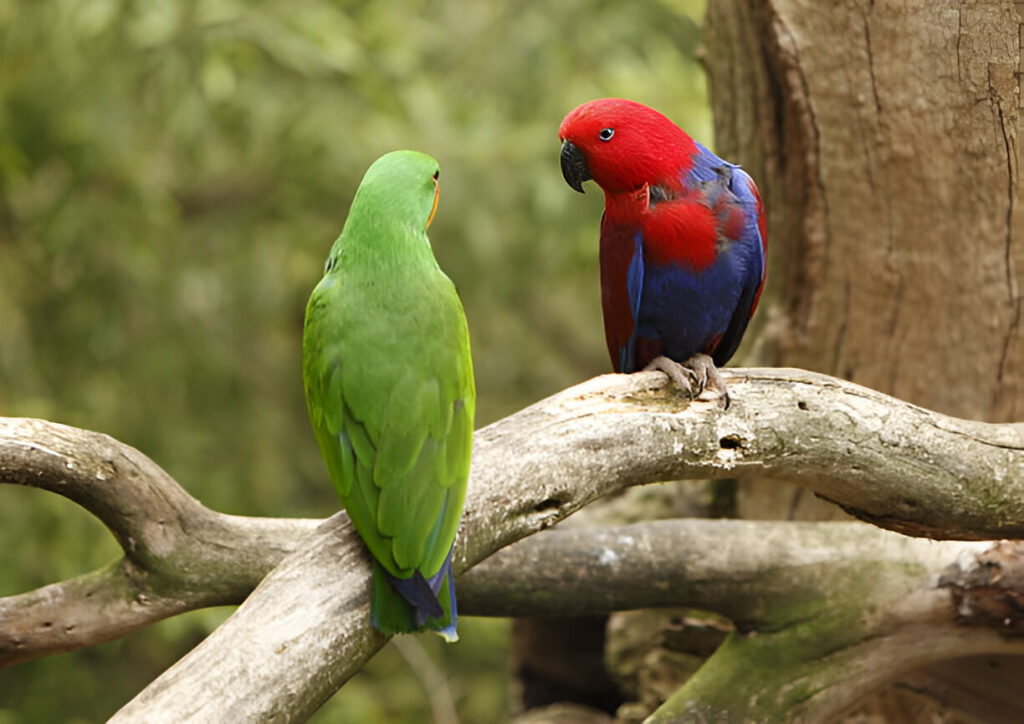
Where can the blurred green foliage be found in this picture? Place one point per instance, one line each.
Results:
(172, 174)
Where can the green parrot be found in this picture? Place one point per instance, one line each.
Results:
(389, 385)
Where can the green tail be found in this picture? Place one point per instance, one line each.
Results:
(407, 605)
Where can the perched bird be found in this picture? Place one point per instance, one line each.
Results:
(389, 386)
(683, 241)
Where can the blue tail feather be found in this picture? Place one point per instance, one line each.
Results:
(421, 599)
(420, 594)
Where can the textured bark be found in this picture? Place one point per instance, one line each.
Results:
(884, 136)
(305, 630)
(179, 555)
(824, 612)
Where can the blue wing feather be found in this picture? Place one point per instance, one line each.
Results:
(688, 311)
(634, 287)
(750, 248)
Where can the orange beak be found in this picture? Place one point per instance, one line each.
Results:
(433, 209)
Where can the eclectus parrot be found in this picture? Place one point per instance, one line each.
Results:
(683, 241)
(389, 386)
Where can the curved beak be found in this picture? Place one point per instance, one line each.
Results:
(433, 209)
(574, 166)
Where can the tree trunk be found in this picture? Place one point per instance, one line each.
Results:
(884, 138)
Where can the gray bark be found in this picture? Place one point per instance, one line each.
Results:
(304, 629)
(885, 138)
(178, 554)
(824, 613)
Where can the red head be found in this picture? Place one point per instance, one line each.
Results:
(622, 145)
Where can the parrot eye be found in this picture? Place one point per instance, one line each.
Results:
(606, 134)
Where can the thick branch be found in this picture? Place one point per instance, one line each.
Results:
(741, 569)
(887, 462)
(304, 630)
(538, 466)
(837, 608)
(179, 555)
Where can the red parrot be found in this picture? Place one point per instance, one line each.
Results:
(683, 241)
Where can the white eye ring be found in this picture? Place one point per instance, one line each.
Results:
(606, 134)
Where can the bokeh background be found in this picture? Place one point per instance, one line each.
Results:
(172, 175)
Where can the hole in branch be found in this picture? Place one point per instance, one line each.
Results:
(731, 442)
(802, 405)
(547, 504)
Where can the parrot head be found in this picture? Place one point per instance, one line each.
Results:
(405, 182)
(622, 145)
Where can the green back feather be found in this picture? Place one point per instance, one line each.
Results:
(388, 373)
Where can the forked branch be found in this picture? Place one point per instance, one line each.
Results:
(304, 630)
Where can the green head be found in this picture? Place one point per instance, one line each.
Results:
(401, 187)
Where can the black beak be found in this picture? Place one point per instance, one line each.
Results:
(574, 166)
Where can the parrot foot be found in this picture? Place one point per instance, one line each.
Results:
(694, 376)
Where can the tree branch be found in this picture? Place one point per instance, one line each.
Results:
(536, 467)
(304, 629)
(836, 609)
(744, 570)
(179, 555)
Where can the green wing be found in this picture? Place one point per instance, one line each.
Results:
(389, 384)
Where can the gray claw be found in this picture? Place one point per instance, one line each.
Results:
(694, 376)
(681, 375)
